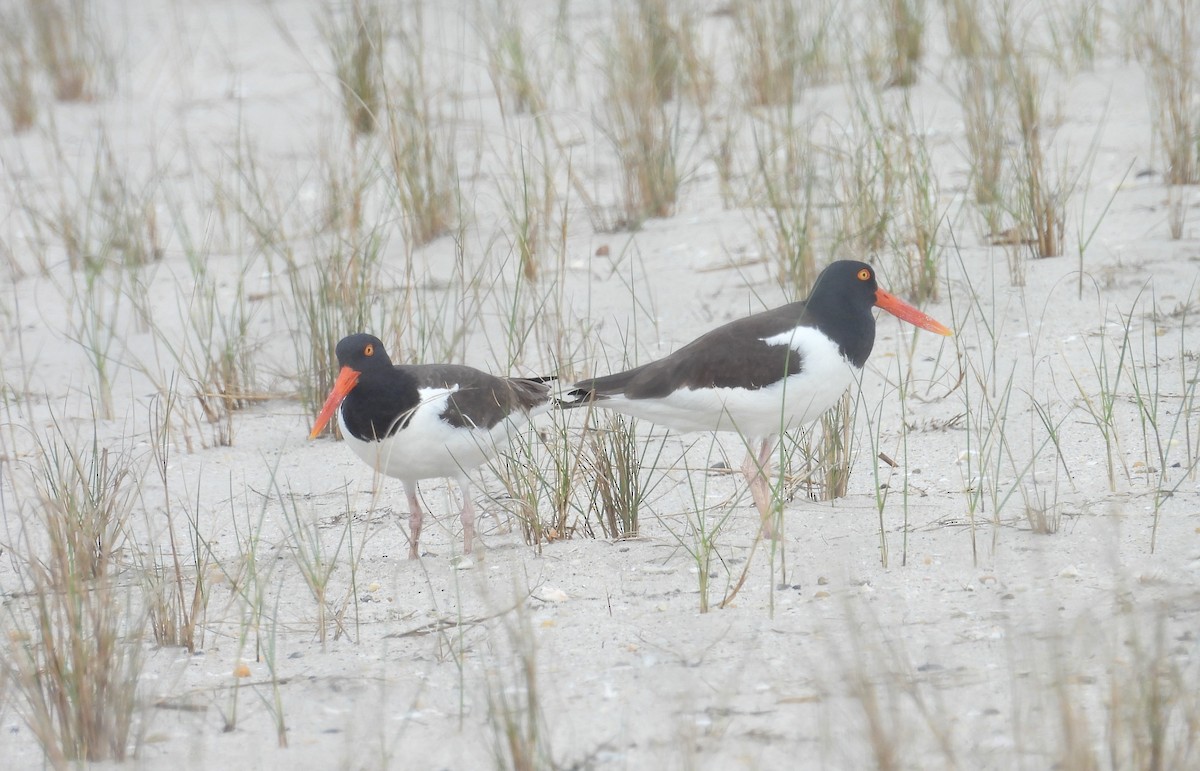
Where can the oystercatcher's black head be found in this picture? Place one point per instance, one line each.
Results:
(840, 306)
(362, 353)
(358, 355)
(845, 282)
(852, 283)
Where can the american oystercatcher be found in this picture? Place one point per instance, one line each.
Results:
(761, 375)
(420, 421)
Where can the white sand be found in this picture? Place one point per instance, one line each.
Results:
(919, 634)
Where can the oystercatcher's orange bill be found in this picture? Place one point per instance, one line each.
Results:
(346, 380)
(905, 312)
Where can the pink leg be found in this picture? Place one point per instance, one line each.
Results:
(756, 468)
(468, 515)
(753, 474)
(764, 462)
(415, 515)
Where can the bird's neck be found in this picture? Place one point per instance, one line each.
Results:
(380, 404)
(851, 327)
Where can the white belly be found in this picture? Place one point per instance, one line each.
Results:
(790, 403)
(429, 447)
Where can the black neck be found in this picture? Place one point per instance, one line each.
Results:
(381, 404)
(850, 326)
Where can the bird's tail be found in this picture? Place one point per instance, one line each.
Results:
(576, 396)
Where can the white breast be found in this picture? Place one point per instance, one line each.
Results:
(429, 446)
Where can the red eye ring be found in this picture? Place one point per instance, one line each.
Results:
(864, 274)
(369, 349)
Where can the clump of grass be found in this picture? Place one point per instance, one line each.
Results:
(836, 454)
(530, 209)
(1041, 198)
(522, 498)
(981, 95)
(226, 368)
(1164, 410)
(965, 28)
(512, 65)
(1153, 709)
(991, 473)
(906, 44)
(817, 461)
(662, 33)
(724, 136)
(356, 40)
(616, 457)
(917, 242)
(867, 178)
(342, 289)
(251, 576)
(641, 73)
(16, 72)
(1168, 42)
(786, 175)
(176, 592)
(326, 312)
(420, 145)
(347, 288)
(422, 159)
(315, 561)
(92, 489)
(540, 479)
(986, 460)
(519, 301)
(700, 536)
(1101, 406)
(782, 47)
(113, 221)
(516, 715)
(883, 717)
(896, 706)
(1020, 185)
(1043, 516)
(218, 355)
(75, 652)
(71, 48)
(1075, 33)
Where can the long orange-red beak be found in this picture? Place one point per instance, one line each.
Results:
(346, 380)
(905, 312)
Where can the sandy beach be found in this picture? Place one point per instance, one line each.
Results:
(1011, 578)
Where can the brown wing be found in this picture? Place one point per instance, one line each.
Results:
(481, 399)
(730, 356)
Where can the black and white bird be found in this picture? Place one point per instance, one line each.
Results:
(422, 421)
(764, 374)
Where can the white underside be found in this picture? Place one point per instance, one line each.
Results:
(429, 447)
(790, 403)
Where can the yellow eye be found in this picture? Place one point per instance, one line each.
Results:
(864, 275)
(369, 350)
